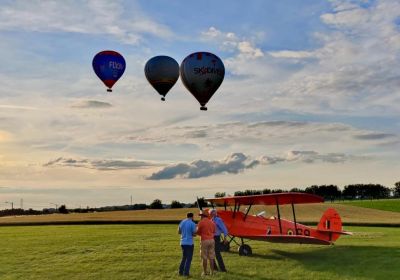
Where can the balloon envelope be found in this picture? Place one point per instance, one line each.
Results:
(202, 73)
(109, 67)
(162, 72)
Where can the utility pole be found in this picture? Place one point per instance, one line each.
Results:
(131, 200)
(22, 204)
(55, 205)
(12, 204)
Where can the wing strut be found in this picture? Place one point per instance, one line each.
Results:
(247, 212)
(279, 214)
(294, 218)
(234, 210)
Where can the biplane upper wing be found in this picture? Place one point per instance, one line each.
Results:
(267, 199)
(290, 239)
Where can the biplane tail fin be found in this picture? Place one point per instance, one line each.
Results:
(331, 224)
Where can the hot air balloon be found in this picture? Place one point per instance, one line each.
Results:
(202, 73)
(109, 67)
(162, 72)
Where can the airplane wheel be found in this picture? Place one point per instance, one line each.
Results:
(245, 250)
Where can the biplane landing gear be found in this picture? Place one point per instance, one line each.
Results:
(225, 247)
(245, 250)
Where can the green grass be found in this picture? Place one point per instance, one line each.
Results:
(381, 204)
(153, 252)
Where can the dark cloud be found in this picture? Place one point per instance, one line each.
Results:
(196, 134)
(233, 164)
(100, 164)
(92, 104)
(278, 123)
(373, 136)
(239, 162)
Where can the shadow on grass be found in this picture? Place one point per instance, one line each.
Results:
(372, 262)
(255, 255)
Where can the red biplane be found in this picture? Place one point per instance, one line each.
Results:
(275, 229)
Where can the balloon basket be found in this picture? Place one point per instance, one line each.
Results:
(162, 99)
(109, 90)
(203, 108)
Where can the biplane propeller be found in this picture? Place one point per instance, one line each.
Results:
(242, 225)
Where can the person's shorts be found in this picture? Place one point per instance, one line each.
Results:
(207, 249)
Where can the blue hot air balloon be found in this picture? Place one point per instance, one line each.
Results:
(162, 72)
(202, 73)
(109, 67)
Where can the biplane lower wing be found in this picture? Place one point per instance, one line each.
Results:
(289, 239)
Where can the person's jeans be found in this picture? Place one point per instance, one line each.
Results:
(187, 254)
(218, 256)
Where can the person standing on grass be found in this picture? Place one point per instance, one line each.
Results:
(187, 229)
(206, 231)
(220, 229)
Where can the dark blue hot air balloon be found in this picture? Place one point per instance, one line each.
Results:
(162, 72)
(202, 73)
(109, 67)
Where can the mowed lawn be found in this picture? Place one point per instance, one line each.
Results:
(381, 204)
(153, 252)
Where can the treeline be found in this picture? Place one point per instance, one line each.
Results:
(18, 212)
(156, 204)
(332, 192)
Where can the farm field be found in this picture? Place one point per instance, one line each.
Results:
(380, 204)
(153, 252)
(310, 213)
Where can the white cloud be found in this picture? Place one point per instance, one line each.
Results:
(87, 17)
(291, 54)
(276, 135)
(229, 41)
(356, 69)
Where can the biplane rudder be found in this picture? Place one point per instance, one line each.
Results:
(331, 224)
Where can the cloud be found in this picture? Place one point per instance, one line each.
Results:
(239, 162)
(5, 136)
(233, 164)
(100, 164)
(86, 17)
(291, 54)
(374, 136)
(350, 73)
(16, 107)
(312, 156)
(229, 41)
(91, 104)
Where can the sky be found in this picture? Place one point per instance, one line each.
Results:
(311, 96)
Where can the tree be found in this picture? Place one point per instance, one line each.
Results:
(296, 190)
(396, 189)
(266, 191)
(156, 204)
(200, 203)
(63, 209)
(176, 204)
(219, 194)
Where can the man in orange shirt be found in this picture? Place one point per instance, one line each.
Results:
(206, 230)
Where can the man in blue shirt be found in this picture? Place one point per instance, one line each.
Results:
(187, 229)
(220, 229)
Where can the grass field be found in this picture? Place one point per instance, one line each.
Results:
(152, 252)
(304, 213)
(381, 204)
